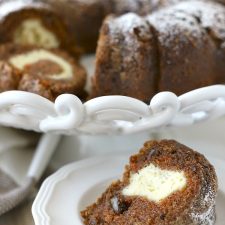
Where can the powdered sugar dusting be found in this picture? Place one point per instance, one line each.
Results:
(126, 23)
(124, 27)
(210, 15)
(192, 20)
(189, 21)
(208, 216)
(205, 218)
(175, 27)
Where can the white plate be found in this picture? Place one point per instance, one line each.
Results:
(75, 186)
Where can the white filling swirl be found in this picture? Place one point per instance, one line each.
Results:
(32, 32)
(154, 183)
(21, 60)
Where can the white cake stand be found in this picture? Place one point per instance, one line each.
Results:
(110, 114)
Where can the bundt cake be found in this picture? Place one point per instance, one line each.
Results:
(166, 183)
(43, 71)
(178, 48)
(69, 24)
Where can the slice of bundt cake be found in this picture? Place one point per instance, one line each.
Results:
(184, 50)
(166, 183)
(35, 23)
(43, 71)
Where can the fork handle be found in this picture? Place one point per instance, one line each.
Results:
(43, 153)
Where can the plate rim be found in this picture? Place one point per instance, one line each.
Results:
(39, 205)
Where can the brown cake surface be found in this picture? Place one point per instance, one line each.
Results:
(186, 51)
(116, 71)
(38, 70)
(192, 204)
(9, 77)
(84, 19)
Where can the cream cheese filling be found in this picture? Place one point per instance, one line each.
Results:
(21, 60)
(31, 31)
(154, 183)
